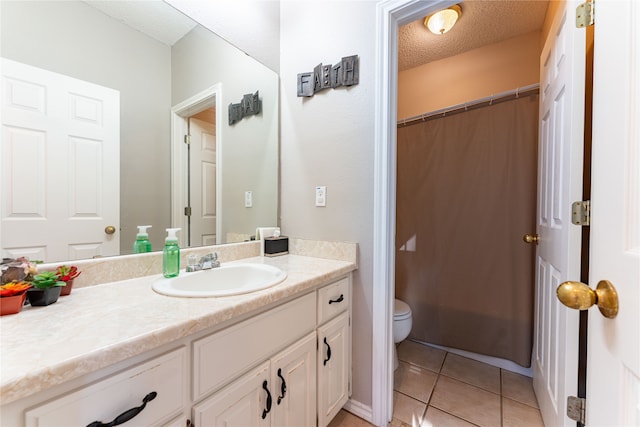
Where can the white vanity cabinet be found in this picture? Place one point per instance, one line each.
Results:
(287, 366)
(304, 384)
(279, 392)
(334, 349)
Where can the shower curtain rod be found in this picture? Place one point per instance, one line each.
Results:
(489, 100)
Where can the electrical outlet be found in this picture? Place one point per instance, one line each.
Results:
(321, 196)
(248, 199)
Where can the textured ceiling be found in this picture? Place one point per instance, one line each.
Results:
(154, 18)
(483, 22)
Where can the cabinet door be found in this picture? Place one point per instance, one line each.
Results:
(243, 403)
(293, 375)
(334, 354)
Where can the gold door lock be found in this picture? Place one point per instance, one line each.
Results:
(110, 229)
(531, 238)
(580, 296)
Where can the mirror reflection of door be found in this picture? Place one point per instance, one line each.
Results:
(202, 179)
(59, 165)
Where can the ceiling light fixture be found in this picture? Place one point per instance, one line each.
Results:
(443, 20)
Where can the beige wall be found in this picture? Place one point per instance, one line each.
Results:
(329, 140)
(249, 148)
(475, 74)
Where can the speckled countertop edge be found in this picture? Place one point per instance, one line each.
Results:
(101, 325)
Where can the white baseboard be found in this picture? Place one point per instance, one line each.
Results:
(359, 410)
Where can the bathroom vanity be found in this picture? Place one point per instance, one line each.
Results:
(279, 356)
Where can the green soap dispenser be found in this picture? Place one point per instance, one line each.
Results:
(171, 254)
(142, 243)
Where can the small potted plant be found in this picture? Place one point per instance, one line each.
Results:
(12, 297)
(46, 289)
(67, 274)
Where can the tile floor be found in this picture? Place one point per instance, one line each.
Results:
(439, 389)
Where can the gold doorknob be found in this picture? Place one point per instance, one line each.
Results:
(109, 229)
(531, 238)
(580, 296)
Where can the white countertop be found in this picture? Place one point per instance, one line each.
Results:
(101, 325)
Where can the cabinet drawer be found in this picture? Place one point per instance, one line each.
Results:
(224, 355)
(333, 299)
(106, 399)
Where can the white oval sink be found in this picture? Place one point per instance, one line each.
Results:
(231, 279)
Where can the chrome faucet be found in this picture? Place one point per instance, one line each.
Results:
(207, 262)
(210, 261)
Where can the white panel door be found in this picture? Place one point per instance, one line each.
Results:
(613, 363)
(333, 367)
(203, 182)
(293, 376)
(59, 165)
(562, 78)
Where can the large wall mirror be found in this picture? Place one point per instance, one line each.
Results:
(135, 77)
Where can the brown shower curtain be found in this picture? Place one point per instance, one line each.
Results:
(466, 194)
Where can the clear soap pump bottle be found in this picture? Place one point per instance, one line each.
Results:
(142, 243)
(171, 254)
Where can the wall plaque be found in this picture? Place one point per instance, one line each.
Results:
(250, 105)
(344, 73)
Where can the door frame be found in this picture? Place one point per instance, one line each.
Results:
(389, 16)
(210, 97)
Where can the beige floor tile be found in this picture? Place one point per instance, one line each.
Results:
(516, 414)
(470, 403)
(437, 418)
(397, 423)
(347, 419)
(414, 381)
(472, 372)
(421, 355)
(518, 387)
(407, 409)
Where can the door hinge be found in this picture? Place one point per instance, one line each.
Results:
(585, 14)
(187, 139)
(581, 213)
(576, 408)
(187, 211)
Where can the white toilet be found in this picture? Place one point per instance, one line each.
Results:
(402, 322)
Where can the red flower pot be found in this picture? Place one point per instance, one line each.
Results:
(12, 304)
(66, 289)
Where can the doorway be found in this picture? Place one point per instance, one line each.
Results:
(390, 16)
(195, 169)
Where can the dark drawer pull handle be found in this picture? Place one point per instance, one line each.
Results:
(283, 388)
(340, 299)
(328, 352)
(266, 411)
(126, 415)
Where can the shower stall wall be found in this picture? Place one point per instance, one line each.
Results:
(466, 194)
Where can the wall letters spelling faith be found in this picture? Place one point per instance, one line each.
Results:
(344, 73)
(251, 104)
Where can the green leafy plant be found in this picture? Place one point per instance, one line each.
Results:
(47, 279)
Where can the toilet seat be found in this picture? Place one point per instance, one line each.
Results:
(401, 310)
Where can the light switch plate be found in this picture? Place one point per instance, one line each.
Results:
(321, 195)
(248, 199)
